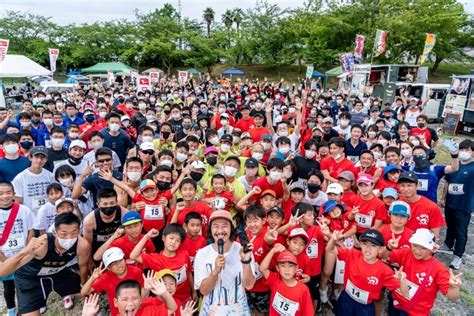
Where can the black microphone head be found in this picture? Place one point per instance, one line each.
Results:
(220, 246)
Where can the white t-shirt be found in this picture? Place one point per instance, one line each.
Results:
(246, 184)
(319, 200)
(344, 131)
(79, 169)
(85, 207)
(228, 296)
(90, 158)
(294, 138)
(32, 188)
(45, 216)
(17, 239)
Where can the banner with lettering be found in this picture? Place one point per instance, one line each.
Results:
(4, 43)
(380, 42)
(53, 57)
(359, 47)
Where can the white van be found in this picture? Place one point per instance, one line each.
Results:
(54, 86)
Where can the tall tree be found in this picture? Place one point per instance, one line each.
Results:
(228, 18)
(208, 16)
(238, 15)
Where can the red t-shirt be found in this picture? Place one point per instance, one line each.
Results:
(256, 133)
(424, 213)
(416, 271)
(181, 266)
(218, 121)
(245, 125)
(363, 281)
(108, 281)
(422, 132)
(286, 207)
(288, 300)
(405, 236)
(369, 211)
(199, 207)
(315, 250)
(260, 250)
(341, 224)
(152, 306)
(371, 171)
(154, 213)
(127, 246)
(335, 168)
(226, 194)
(83, 127)
(382, 184)
(347, 199)
(263, 184)
(192, 246)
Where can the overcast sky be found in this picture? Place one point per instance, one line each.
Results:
(85, 11)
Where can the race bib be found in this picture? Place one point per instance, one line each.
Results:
(357, 294)
(354, 159)
(102, 238)
(412, 288)
(37, 202)
(312, 250)
(339, 272)
(50, 270)
(14, 244)
(47, 143)
(153, 212)
(423, 184)
(181, 274)
(363, 220)
(284, 306)
(456, 188)
(258, 274)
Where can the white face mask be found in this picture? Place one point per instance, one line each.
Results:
(309, 154)
(10, 149)
(257, 156)
(382, 142)
(344, 123)
(415, 142)
(266, 146)
(284, 150)
(147, 139)
(134, 175)
(142, 106)
(150, 117)
(114, 127)
(166, 162)
(288, 174)
(225, 148)
(181, 157)
(66, 244)
(291, 110)
(283, 133)
(65, 182)
(377, 155)
(372, 134)
(214, 140)
(25, 124)
(102, 114)
(230, 171)
(57, 142)
(406, 153)
(464, 155)
(48, 122)
(275, 175)
(73, 135)
(221, 110)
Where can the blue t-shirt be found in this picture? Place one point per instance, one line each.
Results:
(353, 153)
(94, 184)
(460, 188)
(428, 181)
(120, 143)
(10, 168)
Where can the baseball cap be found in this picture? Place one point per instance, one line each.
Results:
(77, 143)
(408, 176)
(267, 137)
(276, 209)
(423, 237)
(298, 185)
(39, 150)
(88, 112)
(388, 169)
(347, 175)
(245, 107)
(63, 200)
(269, 191)
(198, 164)
(298, 231)
(251, 162)
(245, 135)
(328, 119)
(414, 99)
(147, 146)
(147, 183)
(221, 214)
(125, 117)
(390, 192)
(399, 208)
(365, 178)
(286, 256)
(334, 188)
(210, 149)
(111, 255)
(258, 114)
(160, 274)
(372, 235)
(225, 115)
(330, 205)
(227, 138)
(131, 217)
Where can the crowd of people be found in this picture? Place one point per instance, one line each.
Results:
(228, 197)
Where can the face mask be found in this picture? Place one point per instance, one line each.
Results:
(372, 134)
(25, 124)
(421, 162)
(284, 150)
(230, 171)
(166, 162)
(175, 96)
(176, 116)
(327, 129)
(163, 185)
(225, 148)
(147, 139)
(26, 144)
(90, 119)
(102, 114)
(415, 142)
(66, 244)
(377, 155)
(382, 142)
(236, 140)
(406, 153)
(196, 176)
(114, 127)
(214, 140)
(311, 125)
(344, 123)
(129, 106)
(257, 156)
(10, 148)
(222, 98)
(57, 142)
(48, 122)
(420, 124)
(73, 135)
(339, 102)
(134, 175)
(288, 174)
(283, 133)
(224, 122)
(211, 160)
(194, 152)
(142, 106)
(187, 126)
(150, 117)
(464, 155)
(181, 157)
(108, 210)
(313, 187)
(310, 154)
(258, 105)
(275, 175)
(204, 111)
(266, 146)
(35, 121)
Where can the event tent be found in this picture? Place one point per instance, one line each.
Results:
(317, 74)
(334, 72)
(19, 66)
(105, 67)
(146, 72)
(233, 72)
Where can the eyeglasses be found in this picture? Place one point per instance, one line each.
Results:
(104, 160)
(148, 152)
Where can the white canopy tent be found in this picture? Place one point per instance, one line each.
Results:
(19, 66)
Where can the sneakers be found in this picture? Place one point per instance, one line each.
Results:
(445, 249)
(456, 263)
(324, 294)
(68, 302)
(11, 312)
(43, 309)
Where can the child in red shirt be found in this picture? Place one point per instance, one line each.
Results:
(193, 241)
(389, 195)
(399, 214)
(219, 198)
(291, 198)
(288, 296)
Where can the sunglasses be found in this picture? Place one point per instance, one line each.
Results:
(104, 160)
(148, 152)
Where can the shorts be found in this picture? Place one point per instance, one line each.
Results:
(313, 286)
(33, 292)
(345, 305)
(259, 301)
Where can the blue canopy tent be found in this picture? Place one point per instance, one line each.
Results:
(233, 72)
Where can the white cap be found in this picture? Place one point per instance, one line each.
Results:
(61, 201)
(124, 117)
(147, 146)
(198, 164)
(111, 255)
(335, 188)
(78, 143)
(423, 237)
(414, 99)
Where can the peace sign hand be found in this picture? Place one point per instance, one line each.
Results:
(454, 280)
(98, 271)
(295, 219)
(324, 228)
(271, 235)
(394, 242)
(400, 274)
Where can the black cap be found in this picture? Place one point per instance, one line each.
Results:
(226, 137)
(258, 114)
(408, 176)
(276, 209)
(245, 107)
(39, 150)
(251, 162)
(372, 235)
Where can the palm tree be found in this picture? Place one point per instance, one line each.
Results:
(228, 18)
(208, 16)
(238, 17)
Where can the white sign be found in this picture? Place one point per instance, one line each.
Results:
(53, 57)
(154, 76)
(183, 77)
(143, 83)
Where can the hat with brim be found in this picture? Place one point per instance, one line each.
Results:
(277, 210)
(111, 255)
(298, 232)
(269, 191)
(221, 214)
(399, 208)
(130, 218)
(286, 256)
(373, 236)
(423, 237)
(62, 201)
(163, 272)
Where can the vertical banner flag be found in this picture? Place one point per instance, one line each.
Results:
(429, 44)
(359, 48)
(110, 77)
(309, 71)
(53, 56)
(347, 61)
(380, 41)
(154, 76)
(183, 77)
(3, 48)
(133, 76)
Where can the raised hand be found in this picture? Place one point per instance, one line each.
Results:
(256, 190)
(158, 287)
(393, 243)
(400, 274)
(295, 219)
(105, 174)
(98, 271)
(180, 206)
(271, 235)
(148, 280)
(454, 280)
(188, 309)
(153, 233)
(91, 305)
(278, 247)
(324, 228)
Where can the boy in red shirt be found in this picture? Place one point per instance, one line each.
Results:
(288, 296)
(291, 198)
(365, 275)
(105, 280)
(389, 195)
(219, 198)
(172, 257)
(193, 241)
(332, 166)
(346, 180)
(399, 214)
(273, 179)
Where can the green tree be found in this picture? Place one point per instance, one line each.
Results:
(208, 16)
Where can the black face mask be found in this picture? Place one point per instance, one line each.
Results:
(196, 176)
(75, 160)
(313, 188)
(108, 210)
(163, 185)
(421, 163)
(26, 144)
(420, 125)
(167, 112)
(212, 160)
(90, 119)
(165, 134)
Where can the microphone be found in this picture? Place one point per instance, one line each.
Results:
(220, 246)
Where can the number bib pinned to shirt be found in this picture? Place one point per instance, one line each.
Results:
(312, 250)
(284, 306)
(422, 185)
(153, 212)
(412, 288)
(14, 244)
(363, 220)
(181, 274)
(456, 188)
(357, 294)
